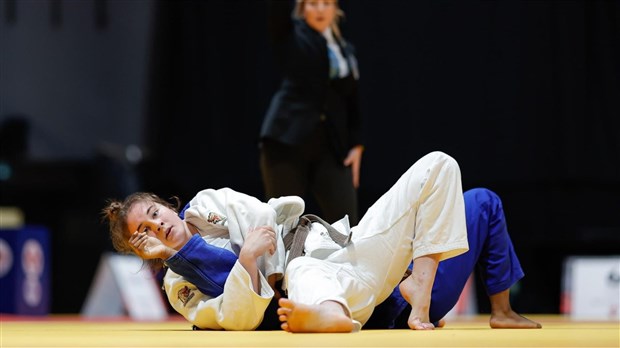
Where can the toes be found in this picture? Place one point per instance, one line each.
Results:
(285, 303)
(285, 327)
(424, 326)
(284, 311)
(417, 324)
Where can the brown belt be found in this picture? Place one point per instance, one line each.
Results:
(295, 240)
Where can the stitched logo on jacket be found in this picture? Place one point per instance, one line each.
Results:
(215, 218)
(185, 294)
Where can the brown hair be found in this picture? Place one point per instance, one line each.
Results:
(298, 13)
(115, 212)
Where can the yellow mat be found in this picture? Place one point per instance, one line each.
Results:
(57, 331)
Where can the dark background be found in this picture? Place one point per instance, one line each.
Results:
(524, 94)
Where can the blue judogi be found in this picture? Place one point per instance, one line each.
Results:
(490, 252)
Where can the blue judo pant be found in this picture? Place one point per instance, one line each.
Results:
(491, 253)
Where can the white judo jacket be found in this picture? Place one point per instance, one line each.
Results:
(223, 218)
(423, 213)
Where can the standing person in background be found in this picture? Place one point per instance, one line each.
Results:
(310, 137)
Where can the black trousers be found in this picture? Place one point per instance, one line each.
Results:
(310, 168)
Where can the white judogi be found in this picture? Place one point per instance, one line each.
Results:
(239, 308)
(422, 214)
(223, 218)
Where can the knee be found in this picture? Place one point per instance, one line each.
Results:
(446, 161)
(482, 196)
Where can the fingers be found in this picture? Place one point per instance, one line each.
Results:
(356, 177)
(268, 235)
(138, 242)
(272, 249)
(260, 241)
(354, 159)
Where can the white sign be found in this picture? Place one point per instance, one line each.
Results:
(123, 285)
(592, 287)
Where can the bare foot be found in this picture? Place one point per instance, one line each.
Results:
(416, 289)
(441, 323)
(328, 316)
(418, 318)
(503, 317)
(512, 320)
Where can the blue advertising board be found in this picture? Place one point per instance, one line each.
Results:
(25, 270)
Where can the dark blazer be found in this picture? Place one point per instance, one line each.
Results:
(307, 96)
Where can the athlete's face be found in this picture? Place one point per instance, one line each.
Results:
(319, 14)
(160, 222)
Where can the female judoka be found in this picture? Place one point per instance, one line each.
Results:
(421, 218)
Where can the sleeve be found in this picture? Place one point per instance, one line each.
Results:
(204, 265)
(239, 308)
(355, 118)
(241, 213)
(353, 103)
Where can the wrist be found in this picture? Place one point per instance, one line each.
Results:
(246, 258)
(168, 253)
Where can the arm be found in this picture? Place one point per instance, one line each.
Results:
(356, 149)
(354, 159)
(240, 213)
(215, 278)
(207, 266)
(237, 308)
(257, 242)
(204, 265)
(215, 291)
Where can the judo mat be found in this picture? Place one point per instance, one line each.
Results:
(472, 331)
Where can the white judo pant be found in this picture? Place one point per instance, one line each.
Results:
(422, 214)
